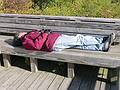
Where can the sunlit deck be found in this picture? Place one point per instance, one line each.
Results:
(87, 78)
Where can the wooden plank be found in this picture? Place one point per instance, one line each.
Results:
(19, 81)
(33, 64)
(105, 76)
(2, 68)
(60, 23)
(80, 57)
(67, 18)
(5, 76)
(4, 72)
(98, 82)
(40, 79)
(56, 83)
(9, 81)
(52, 27)
(0, 58)
(63, 21)
(6, 60)
(70, 68)
(65, 30)
(28, 81)
(66, 83)
(25, 85)
(47, 82)
(102, 80)
(82, 80)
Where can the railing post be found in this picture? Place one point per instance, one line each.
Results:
(33, 64)
(6, 60)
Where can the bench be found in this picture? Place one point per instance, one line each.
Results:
(12, 23)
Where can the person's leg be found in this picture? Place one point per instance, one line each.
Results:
(89, 42)
(64, 41)
(95, 43)
(79, 41)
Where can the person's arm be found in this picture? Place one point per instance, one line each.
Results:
(40, 41)
(36, 44)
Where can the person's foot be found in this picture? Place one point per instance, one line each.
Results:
(108, 42)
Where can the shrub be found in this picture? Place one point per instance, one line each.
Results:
(16, 6)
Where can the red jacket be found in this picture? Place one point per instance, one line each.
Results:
(39, 41)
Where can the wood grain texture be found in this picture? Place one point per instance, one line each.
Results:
(33, 64)
(86, 78)
(71, 72)
(95, 58)
(6, 60)
(12, 23)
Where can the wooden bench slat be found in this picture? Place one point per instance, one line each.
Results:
(67, 18)
(77, 24)
(11, 29)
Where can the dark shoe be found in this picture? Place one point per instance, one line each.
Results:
(112, 35)
(108, 42)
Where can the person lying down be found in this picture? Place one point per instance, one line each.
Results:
(45, 40)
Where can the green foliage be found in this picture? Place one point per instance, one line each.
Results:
(91, 8)
(16, 6)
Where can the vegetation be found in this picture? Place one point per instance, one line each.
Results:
(91, 8)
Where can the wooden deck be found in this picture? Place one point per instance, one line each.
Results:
(87, 78)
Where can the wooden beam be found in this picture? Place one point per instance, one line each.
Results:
(6, 60)
(0, 58)
(33, 64)
(71, 72)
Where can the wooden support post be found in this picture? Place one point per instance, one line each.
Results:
(6, 60)
(71, 72)
(33, 64)
(0, 59)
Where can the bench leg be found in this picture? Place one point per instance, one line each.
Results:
(6, 60)
(70, 67)
(0, 59)
(33, 64)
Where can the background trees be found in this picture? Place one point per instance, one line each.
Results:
(92, 8)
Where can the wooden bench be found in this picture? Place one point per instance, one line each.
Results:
(12, 23)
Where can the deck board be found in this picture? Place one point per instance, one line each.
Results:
(9, 81)
(56, 83)
(86, 79)
(65, 84)
(19, 81)
(38, 81)
(28, 81)
(47, 82)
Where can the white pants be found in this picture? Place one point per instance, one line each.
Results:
(79, 41)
